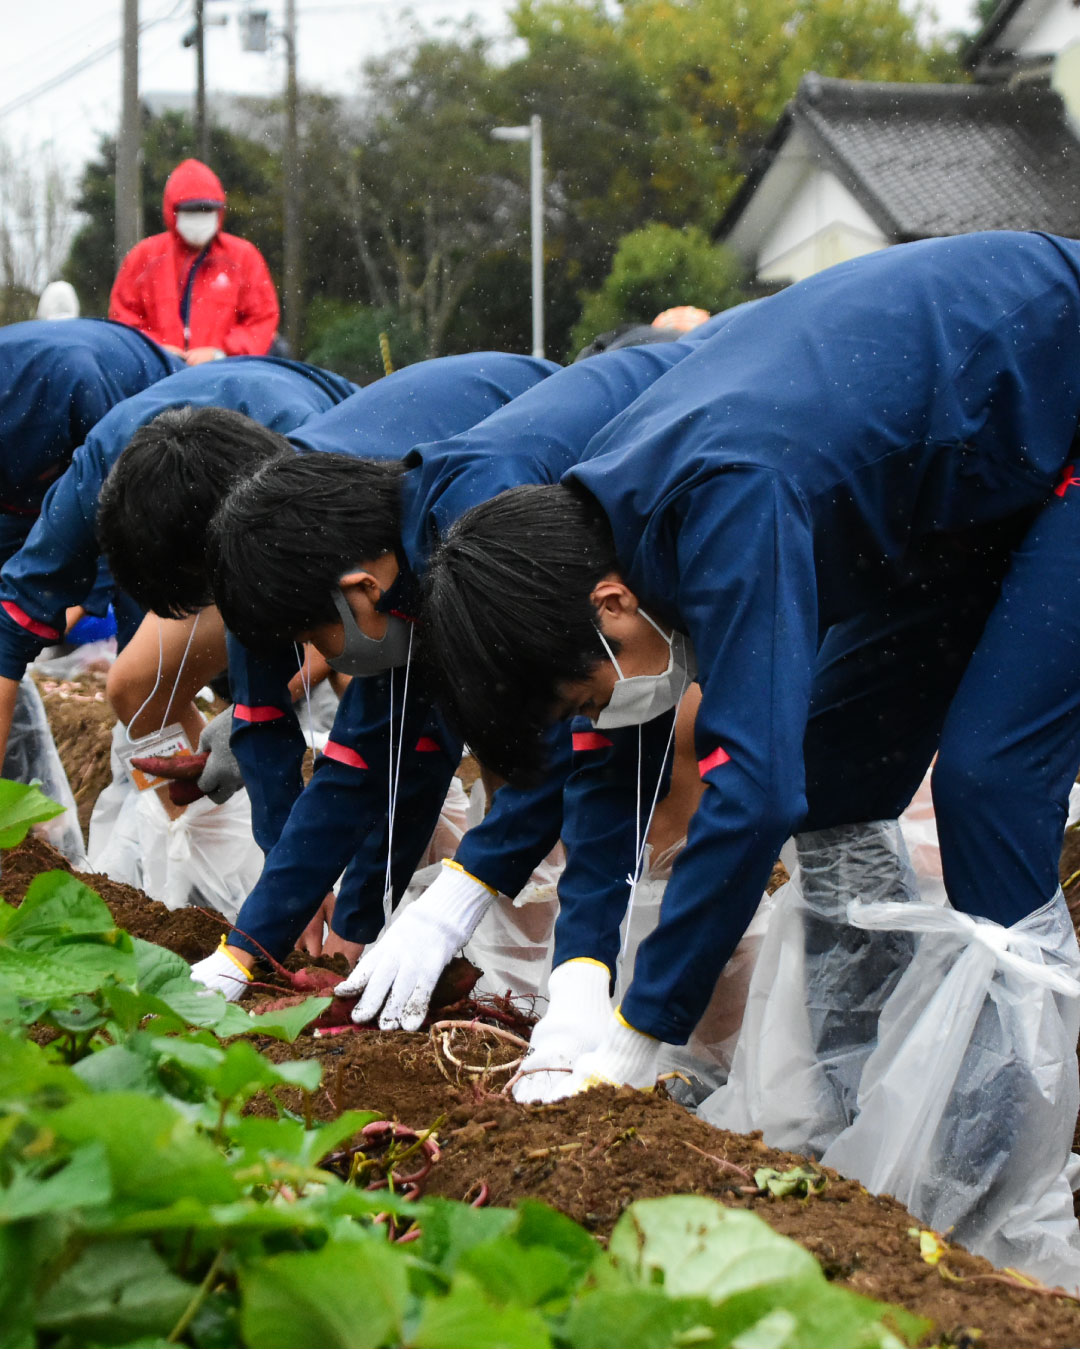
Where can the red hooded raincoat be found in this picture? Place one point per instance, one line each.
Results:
(233, 305)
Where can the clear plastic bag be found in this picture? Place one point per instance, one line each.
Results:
(206, 856)
(32, 757)
(967, 1106)
(817, 990)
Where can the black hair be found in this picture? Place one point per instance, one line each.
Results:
(507, 616)
(279, 542)
(156, 504)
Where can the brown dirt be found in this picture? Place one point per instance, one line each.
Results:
(81, 722)
(591, 1156)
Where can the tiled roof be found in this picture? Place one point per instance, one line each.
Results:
(938, 159)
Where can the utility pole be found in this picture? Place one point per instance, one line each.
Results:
(128, 197)
(291, 213)
(536, 201)
(202, 130)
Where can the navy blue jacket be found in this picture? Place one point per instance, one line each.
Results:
(383, 421)
(57, 380)
(57, 565)
(798, 465)
(533, 439)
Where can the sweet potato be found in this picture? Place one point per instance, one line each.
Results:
(182, 767)
(183, 793)
(455, 983)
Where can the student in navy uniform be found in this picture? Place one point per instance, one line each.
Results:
(266, 747)
(56, 567)
(57, 380)
(853, 513)
(331, 551)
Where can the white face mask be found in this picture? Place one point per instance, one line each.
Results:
(639, 698)
(197, 228)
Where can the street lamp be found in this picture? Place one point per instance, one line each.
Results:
(532, 134)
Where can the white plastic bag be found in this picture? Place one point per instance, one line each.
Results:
(206, 856)
(32, 756)
(817, 990)
(967, 1107)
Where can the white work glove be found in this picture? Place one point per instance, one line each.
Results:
(578, 1014)
(221, 973)
(399, 972)
(222, 777)
(623, 1056)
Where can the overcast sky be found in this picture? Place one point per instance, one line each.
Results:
(44, 39)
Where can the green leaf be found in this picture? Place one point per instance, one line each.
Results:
(61, 973)
(83, 1182)
(795, 1181)
(638, 1317)
(118, 1068)
(694, 1246)
(20, 807)
(58, 906)
(243, 1072)
(155, 1154)
(114, 1293)
(811, 1312)
(451, 1229)
(510, 1273)
(287, 1023)
(346, 1294)
(541, 1226)
(464, 1317)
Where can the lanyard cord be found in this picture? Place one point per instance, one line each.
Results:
(641, 837)
(157, 680)
(393, 780)
(304, 671)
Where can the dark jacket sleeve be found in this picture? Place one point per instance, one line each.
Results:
(267, 739)
(743, 572)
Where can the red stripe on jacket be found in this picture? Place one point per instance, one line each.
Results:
(343, 755)
(590, 740)
(262, 713)
(425, 745)
(719, 756)
(41, 630)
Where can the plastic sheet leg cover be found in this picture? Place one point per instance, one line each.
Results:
(817, 990)
(32, 755)
(968, 1105)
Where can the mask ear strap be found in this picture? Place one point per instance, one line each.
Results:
(394, 777)
(611, 654)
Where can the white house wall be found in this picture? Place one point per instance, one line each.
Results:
(821, 224)
(1042, 29)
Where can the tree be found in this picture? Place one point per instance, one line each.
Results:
(433, 194)
(653, 269)
(36, 223)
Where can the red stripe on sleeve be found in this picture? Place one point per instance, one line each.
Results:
(425, 745)
(41, 630)
(590, 740)
(263, 713)
(719, 756)
(343, 755)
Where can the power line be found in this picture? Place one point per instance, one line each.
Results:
(87, 61)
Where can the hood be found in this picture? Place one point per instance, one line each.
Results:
(191, 181)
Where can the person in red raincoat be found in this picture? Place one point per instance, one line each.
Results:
(195, 290)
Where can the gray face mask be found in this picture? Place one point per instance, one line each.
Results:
(362, 655)
(639, 698)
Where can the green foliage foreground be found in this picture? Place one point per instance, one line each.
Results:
(141, 1205)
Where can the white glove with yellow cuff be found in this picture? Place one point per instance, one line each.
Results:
(400, 971)
(222, 973)
(624, 1057)
(577, 1017)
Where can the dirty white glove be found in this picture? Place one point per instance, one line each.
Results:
(221, 973)
(623, 1056)
(399, 972)
(577, 1017)
(222, 777)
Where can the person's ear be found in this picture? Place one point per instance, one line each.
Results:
(361, 585)
(613, 599)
